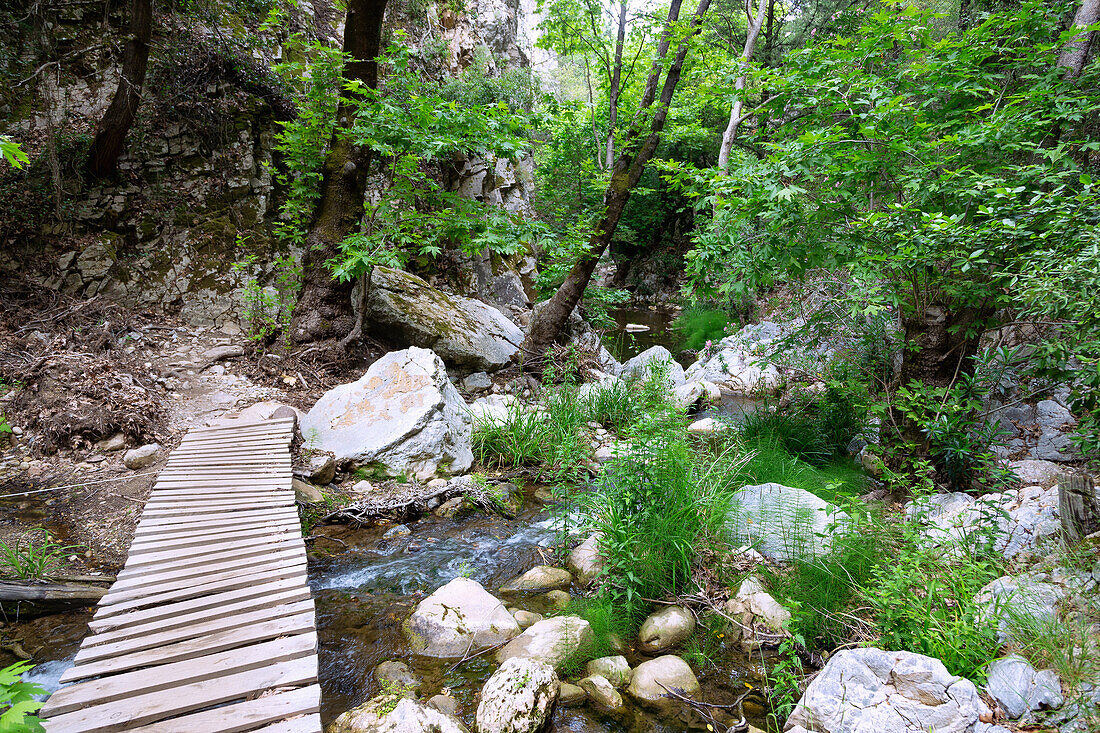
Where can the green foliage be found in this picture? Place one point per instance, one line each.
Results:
(769, 462)
(17, 703)
(814, 427)
(30, 560)
(411, 126)
(699, 327)
(12, 152)
(303, 141)
(785, 677)
(268, 309)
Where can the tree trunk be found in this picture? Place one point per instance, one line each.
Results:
(753, 28)
(1078, 507)
(110, 136)
(613, 94)
(1076, 51)
(551, 318)
(324, 309)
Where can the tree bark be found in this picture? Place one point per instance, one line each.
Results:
(110, 136)
(613, 94)
(1076, 51)
(550, 319)
(753, 29)
(324, 309)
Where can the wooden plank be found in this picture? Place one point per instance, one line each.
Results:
(226, 581)
(177, 508)
(259, 593)
(212, 666)
(302, 724)
(141, 555)
(224, 610)
(170, 532)
(282, 423)
(260, 472)
(215, 495)
(136, 587)
(172, 636)
(175, 524)
(245, 716)
(191, 648)
(246, 553)
(217, 534)
(154, 706)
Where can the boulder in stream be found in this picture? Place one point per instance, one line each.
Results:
(641, 365)
(458, 619)
(538, 579)
(667, 628)
(554, 641)
(390, 713)
(652, 681)
(585, 561)
(402, 416)
(466, 333)
(518, 697)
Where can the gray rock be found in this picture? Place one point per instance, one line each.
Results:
(464, 332)
(602, 693)
(538, 579)
(554, 641)
(138, 458)
(687, 395)
(526, 619)
(557, 600)
(651, 678)
(784, 523)
(477, 381)
(518, 697)
(615, 670)
(459, 618)
(114, 443)
(762, 619)
(1008, 601)
(665, 629)
(402, 416)
(444, 704)
(1037, 473)
(306, 493)
(640, 366)
(454, 508)
(321, 468)
(571, 696)
(1020, 688)
(585, 561)
(382, 715)
(398, 678)
(218, 353)
(886, 692)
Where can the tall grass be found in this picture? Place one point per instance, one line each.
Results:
(699, 325)
(767, 462)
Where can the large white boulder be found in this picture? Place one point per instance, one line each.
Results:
(654, 681)
(668, 627)
(585, 561)
(554, 641)
(389, 713)
(784, 523)
(518, 697)
(641, 365)
(459, 618)
(402, 416)
(465, 332)
(886, 692)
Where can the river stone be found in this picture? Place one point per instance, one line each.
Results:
(476, 382)
(886, 692)
(687, 395)
(537, 579)
(707, 426)
(1020, 688)
(382, 715)
(526, 619)
(784, 523)
(459, 618)
(306, 493)
(554, 641)
(321, 469)
(402, 416)
(138, 458)
(615, 670)
(444, 704)
(762, 621)
(557, 600)
(114, 443)
(602, 693)
(585, 561)
(518, 697)
(465, 332)
(640, 366)
(667, 628)
(571, 695)
(671, 672)
(398, 677)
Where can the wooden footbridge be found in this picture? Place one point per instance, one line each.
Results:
(210, 625)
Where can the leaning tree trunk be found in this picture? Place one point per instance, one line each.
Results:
(324, 309)
(551, 318)
(753, 30)
(1076, 51)
(110, 136)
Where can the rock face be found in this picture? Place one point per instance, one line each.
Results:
(1037, 473)
(762, 620)
(402, 416)
(518, 697)
(554, 641)
(537, 579)
(875, 690)
(665, 629)
(784, 523)
(138, 458)
(647, 685)
(1039, 431)
(465, 332)
(458, 618)
(1020, 688)
(585, 561)
(1024, 598)
(641, 365)
(738, 362)
(382, 715)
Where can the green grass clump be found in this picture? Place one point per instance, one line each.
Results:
(27, 559)
(698, 326)
(768, 462)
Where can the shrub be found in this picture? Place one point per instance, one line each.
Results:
(697, 326)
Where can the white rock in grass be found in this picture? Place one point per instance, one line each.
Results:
(707, 426)
(1020, 688)
(784, 523)
(518, 697)
(585, 561)
(615, 670)
(641, 365)
(668, 627)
